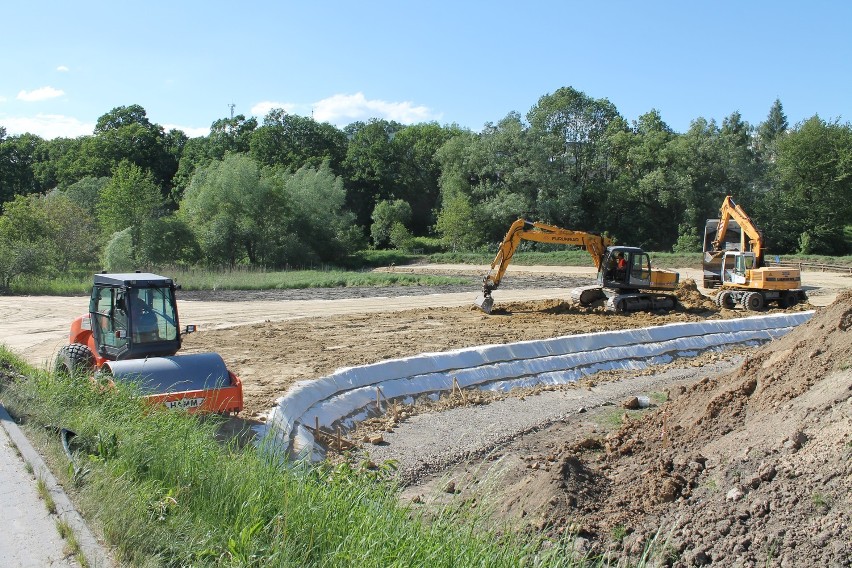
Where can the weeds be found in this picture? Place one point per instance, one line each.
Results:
(73, 547)
(659, 397)
(44, 493)
(821, 500)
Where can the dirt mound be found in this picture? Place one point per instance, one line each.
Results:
(691, 298)
(754, 467)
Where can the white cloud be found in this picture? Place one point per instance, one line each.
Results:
(47, 126)
(41, 94)
(344, 109)
(263, 107)
(62, 69)
(190, 131)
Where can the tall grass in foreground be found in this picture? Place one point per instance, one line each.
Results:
(166, 493)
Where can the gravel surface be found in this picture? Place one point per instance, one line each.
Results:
(429, 443)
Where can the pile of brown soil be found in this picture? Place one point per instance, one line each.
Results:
(753, 467)
(691, 298)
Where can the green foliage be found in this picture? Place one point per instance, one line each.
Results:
(813, 202)
(235, 212)
(86, 193)
(321, 229)
(26, 246)
(571, 161)
(292, 142)
(167, 241)
(119, 252)
(385, 216)
(73, 231)
(401, 238)
(456, 224)
(688, 239)
(128, 201)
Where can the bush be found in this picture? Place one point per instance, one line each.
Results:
(118, 253)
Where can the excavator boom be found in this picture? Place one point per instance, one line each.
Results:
(525, 230)
(731, 211)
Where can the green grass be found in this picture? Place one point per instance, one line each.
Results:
(167, 493)
(244, 279)
(71, 543)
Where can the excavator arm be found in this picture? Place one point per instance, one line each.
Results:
(523, 230)
(729, 211)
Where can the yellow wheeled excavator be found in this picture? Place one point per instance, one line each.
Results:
(625, 277)
(744, 279)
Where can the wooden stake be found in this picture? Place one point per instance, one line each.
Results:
(316, 426)
(379, 399)
(456, 385)
(339, 443)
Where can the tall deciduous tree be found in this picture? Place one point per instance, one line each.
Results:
(129, 200)
(126, 134)
(571, 126)
(18, 164)
(26, 246)
(235, 213)
(371, 166)
(294, 141)
(419, 171)
(815, 175)
(386, 214)
(319, 225)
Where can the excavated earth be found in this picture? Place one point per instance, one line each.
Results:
(740, 459)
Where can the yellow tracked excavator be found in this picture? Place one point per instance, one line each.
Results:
(625, 277)
(743, 277)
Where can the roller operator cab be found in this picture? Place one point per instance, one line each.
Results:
(132, 333)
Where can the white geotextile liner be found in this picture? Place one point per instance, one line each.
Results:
(551, 361)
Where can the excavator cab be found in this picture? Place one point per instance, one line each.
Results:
(625, 268)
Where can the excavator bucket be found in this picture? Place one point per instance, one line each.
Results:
(484, 303)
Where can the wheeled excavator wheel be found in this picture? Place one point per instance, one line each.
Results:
(724, 299)
(74, 359)
(753, 301)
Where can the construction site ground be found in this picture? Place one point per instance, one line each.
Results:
(741, 458)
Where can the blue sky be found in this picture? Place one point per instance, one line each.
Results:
(64, 64)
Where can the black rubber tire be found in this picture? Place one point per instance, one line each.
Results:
(753, 301)
(788, 300)
(74, 359)
(725, 300)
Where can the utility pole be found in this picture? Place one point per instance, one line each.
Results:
(232, 105)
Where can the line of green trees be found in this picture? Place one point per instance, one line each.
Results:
(293, 191)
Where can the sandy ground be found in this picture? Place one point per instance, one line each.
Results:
(37, 326)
